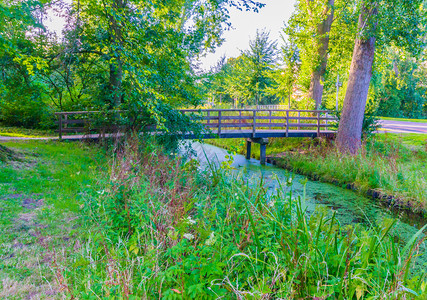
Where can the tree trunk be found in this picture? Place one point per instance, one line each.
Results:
(116, 69)
(316, 87)
(350, 127)
(115, 83)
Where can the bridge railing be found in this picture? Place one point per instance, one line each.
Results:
(215, 121)
(260, 120)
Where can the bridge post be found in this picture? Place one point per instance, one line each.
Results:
(219, 123)
(60, 126)
(262, 148)
(287, 123)
(254, 123)
(263, 151)
(248, 148)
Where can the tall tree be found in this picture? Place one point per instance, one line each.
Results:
(389, 21)
(286, 75)
(260, 58)
(321, 45)
(310, 26)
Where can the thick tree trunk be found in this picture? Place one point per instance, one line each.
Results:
(316, 87)
(350, 127)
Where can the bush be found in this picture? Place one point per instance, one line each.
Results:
(24, 107)
(164, 230)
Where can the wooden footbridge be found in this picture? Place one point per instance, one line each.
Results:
(256, 125)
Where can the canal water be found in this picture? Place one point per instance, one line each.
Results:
(350, 207)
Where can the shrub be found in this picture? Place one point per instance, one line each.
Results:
(24, 107)
(164, 230)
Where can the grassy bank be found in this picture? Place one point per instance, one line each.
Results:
(404, 120)
(41, 187)
(151, 226)
(389, 164)
(25, 132)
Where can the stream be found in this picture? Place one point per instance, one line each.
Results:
(350, 207)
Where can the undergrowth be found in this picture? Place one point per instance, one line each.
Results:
(158, 227)
(391, 165)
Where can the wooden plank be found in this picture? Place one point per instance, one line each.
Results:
(80, 121)
(223, 125)
(287, 123)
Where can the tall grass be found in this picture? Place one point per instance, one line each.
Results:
(161, 229)
(388, 164)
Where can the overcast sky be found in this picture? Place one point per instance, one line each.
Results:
(245, 25)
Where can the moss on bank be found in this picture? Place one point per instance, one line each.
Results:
(389, 165)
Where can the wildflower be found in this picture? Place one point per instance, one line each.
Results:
(188, 236)
(101, 192)
(211, 240)
(191, 221)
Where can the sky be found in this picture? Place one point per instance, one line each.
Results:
(244, 26)
(271, 17)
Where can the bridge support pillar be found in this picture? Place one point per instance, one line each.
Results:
(262, 147)
(248, 149)
(262, 151)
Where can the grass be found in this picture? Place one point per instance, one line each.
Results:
(389, 164)
(404, 120)
(149, 226)
(25, 132)
(39, 203)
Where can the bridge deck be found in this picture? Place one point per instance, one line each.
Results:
(217, 123)
(229, 134)
(226, 134)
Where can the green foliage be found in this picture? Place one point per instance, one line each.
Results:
(163, 230)
(400, 91)
(114, 55)
(246, 80)
(392, 164)
(153, 226)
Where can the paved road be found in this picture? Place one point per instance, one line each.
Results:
(403, 127)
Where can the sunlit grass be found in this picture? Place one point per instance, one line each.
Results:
(404, 120)
(25, 132)
(40, 196)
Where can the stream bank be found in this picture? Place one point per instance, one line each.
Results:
(386, 170)
(351, 208)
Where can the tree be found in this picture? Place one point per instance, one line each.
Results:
(388, 21)
(147, 48)
(261, 57)
(310, 27)
(286, 76)
(399, 89)
(321, 46)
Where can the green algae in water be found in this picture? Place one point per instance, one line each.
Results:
(350, 207)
